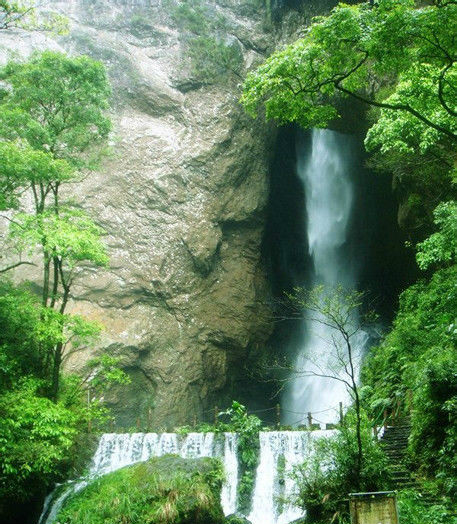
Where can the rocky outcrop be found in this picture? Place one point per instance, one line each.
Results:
(182, 200)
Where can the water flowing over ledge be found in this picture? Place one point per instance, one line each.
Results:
(279, 452)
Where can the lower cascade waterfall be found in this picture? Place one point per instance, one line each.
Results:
(279, 452)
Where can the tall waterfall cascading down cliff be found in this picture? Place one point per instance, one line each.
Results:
(325, 173)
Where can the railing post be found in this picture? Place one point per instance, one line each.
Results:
(278, 415)
(385, 419)
(149, 419)
(310, 420)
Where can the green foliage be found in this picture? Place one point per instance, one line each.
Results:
(212, 56)
(55, 103)
(35, 438)
(70, 235)
(23, 13)
(412, 510)
(21, 335)
(165, 490)
(440, 247)
(328, 475)
(419, 355)
(393, 44)
(52, 124)
(21, 164)
(247, 427)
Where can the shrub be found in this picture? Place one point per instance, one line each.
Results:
(412, 510)
(327, 476)
(163, 490)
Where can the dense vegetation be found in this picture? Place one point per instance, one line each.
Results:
(165, 490)
(331, 473)
(399, 58)
(396, 56)
(52, 130)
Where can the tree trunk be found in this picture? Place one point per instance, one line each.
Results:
(56, 372)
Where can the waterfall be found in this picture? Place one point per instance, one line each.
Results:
(279, 452)
(325, 173)
(117, 450)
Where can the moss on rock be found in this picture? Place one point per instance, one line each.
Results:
(163, 490)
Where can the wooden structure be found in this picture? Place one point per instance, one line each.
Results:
(373, 508)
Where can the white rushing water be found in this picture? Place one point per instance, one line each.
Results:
(325, 172)
(279, 452)
(117, 450)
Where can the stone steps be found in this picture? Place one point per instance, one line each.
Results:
(395, 444)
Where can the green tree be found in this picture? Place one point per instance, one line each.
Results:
(53, 125)
(36, 436)
(391, 56)
(24, 14)
(339, 311)
(329, 472)
(441, 246)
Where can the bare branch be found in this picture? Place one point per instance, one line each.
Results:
(17, 264)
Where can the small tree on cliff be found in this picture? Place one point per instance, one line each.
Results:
(338, 310)
(23, 14)
(52, 126)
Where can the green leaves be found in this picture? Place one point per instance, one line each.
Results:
(22, 13)
(205, 34)
(70, 235)
(22, 166)
(440, 247)
(31, 446)
(354, 52)
(56, 104)
(328, 472)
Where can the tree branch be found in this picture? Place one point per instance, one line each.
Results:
(4, 270)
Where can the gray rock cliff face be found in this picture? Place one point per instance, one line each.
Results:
(182, 199)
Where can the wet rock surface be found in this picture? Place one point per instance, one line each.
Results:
(181, 197)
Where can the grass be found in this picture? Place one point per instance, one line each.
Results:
(163, 490)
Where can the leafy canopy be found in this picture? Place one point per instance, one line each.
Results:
(31, 446)
(394, 56)
(440, 247)
(56, 104)
(21, 165)
(71, 235)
